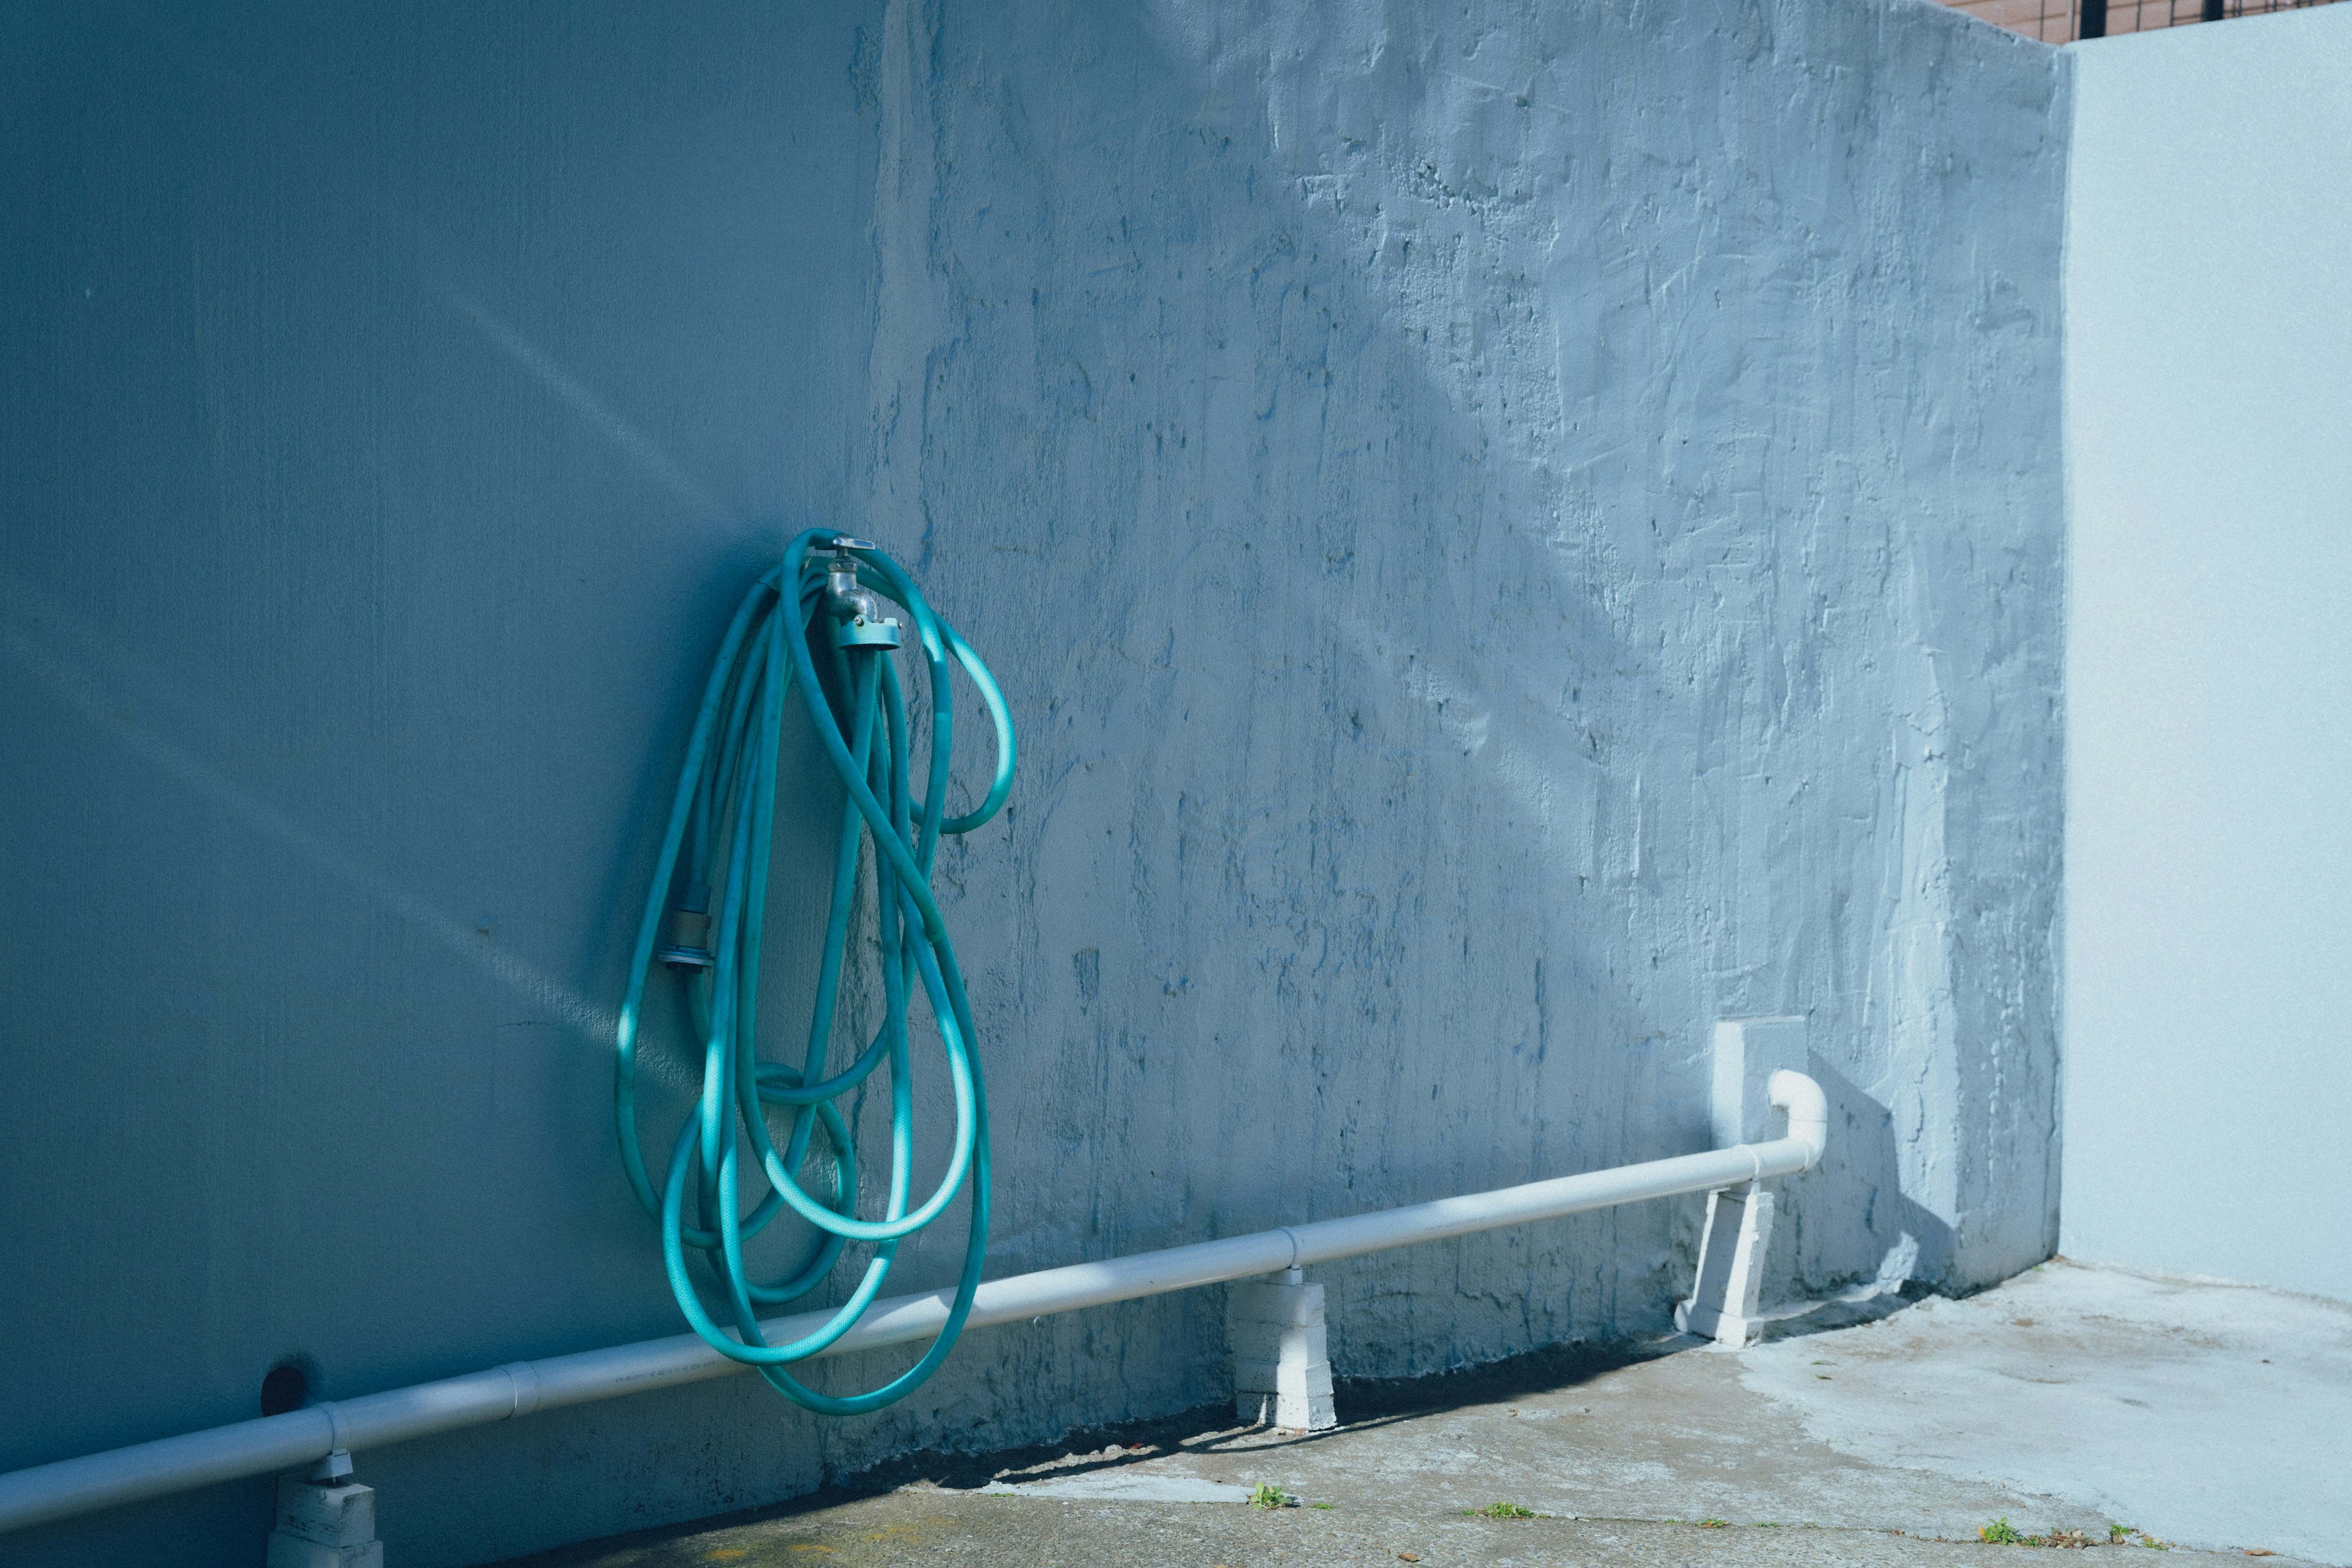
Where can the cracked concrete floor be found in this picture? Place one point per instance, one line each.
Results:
(2215, 1417)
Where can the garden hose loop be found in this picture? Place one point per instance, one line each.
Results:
(704, 919)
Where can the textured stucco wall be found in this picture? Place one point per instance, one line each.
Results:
(2209, 664)
(1511, 531)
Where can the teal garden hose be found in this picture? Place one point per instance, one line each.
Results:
(710, 886)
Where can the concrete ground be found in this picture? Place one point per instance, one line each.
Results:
(2213, 1419)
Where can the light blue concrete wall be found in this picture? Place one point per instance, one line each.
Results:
(2208, 935)
(1511, 531)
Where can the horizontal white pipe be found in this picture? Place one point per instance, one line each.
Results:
(69, 1487)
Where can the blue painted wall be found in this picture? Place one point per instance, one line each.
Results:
(2208, 939)
(1511, 530)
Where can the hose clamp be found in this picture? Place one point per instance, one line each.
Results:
(689, 933)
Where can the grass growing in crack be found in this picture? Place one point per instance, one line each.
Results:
(2001, 1532)
(1505, 1510)
(1267, 1495)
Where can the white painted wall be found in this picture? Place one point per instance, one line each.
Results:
(2209, 856)
(1511, 531)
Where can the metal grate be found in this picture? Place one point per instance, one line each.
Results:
(2064, 21)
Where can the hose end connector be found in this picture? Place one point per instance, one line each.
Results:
(689, 934)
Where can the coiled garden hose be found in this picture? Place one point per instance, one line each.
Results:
(710, 886)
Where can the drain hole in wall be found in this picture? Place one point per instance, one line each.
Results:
(285, 1387)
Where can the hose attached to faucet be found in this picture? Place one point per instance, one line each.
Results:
(711, 885)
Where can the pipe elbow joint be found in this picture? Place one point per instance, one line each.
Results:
(1808, 1108)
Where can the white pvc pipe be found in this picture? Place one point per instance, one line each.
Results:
(69, 1487)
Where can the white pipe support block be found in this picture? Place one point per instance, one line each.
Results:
(1725, 1298)
(323, 1526)
(1276, 1329)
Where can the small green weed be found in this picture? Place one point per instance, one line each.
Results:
(1267, 1495)
(2002, 1532)
(1715, 1524)
(1506, 1511)
(2120, 1535)
(1322, 1505)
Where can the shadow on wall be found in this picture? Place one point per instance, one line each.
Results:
(1849, 1222)
(1422, 405)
